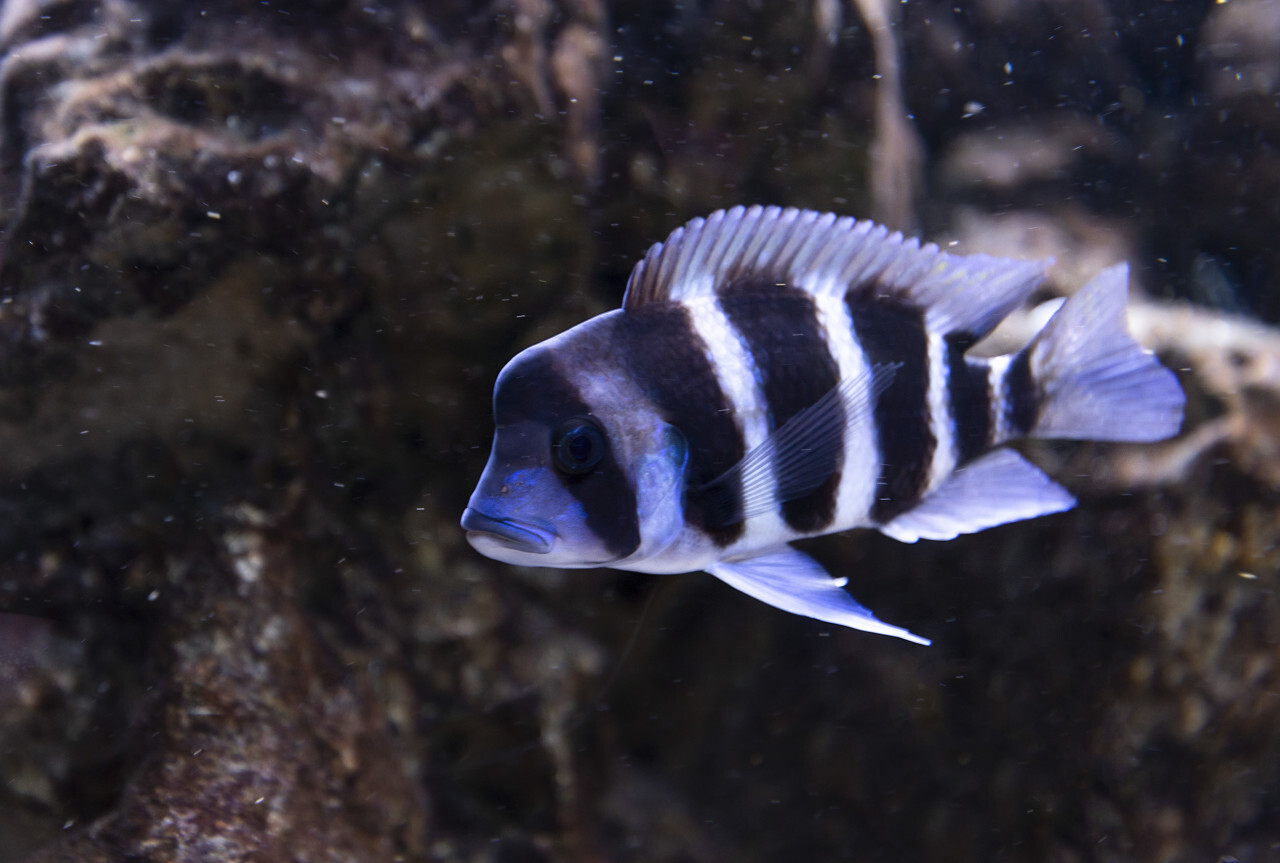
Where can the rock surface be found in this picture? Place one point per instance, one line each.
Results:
(261, 263)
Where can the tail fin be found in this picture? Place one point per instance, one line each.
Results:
(1095, 382)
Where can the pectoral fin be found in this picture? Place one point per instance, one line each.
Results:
(795, 582)
(800, 454)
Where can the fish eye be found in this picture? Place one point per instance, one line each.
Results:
(578, 445)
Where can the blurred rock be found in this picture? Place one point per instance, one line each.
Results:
(1009, 157)
(266, 746)
(1240, 49)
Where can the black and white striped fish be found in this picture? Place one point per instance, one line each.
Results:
(776, 374)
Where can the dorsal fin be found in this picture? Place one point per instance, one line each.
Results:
(827, 254)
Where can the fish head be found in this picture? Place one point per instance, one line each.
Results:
(527, 508)
(579, 476)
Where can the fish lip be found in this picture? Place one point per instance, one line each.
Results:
(520, 536)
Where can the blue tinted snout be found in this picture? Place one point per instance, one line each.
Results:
(509, 533)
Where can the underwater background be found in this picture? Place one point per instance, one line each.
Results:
(260, 263)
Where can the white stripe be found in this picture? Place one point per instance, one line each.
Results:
(735, 372)
(997, 367)
(733, 367)
(941, 423)
(861, 468)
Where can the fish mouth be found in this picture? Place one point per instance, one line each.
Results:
(518, 536)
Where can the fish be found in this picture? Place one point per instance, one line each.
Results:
(776, 374)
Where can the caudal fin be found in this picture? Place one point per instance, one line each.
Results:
(1094, 381)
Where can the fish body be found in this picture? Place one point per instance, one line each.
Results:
(775, 374)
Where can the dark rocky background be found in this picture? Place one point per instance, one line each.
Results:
(261, 263)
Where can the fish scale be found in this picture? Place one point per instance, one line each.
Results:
(774, 374)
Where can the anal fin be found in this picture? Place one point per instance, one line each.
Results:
(794, 582)
(998, 488)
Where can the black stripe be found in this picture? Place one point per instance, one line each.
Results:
(1022, 396)
(892, 332)
(668, 359)
(795, 368)
(532, 388)
(533, 394)
(969, 390)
